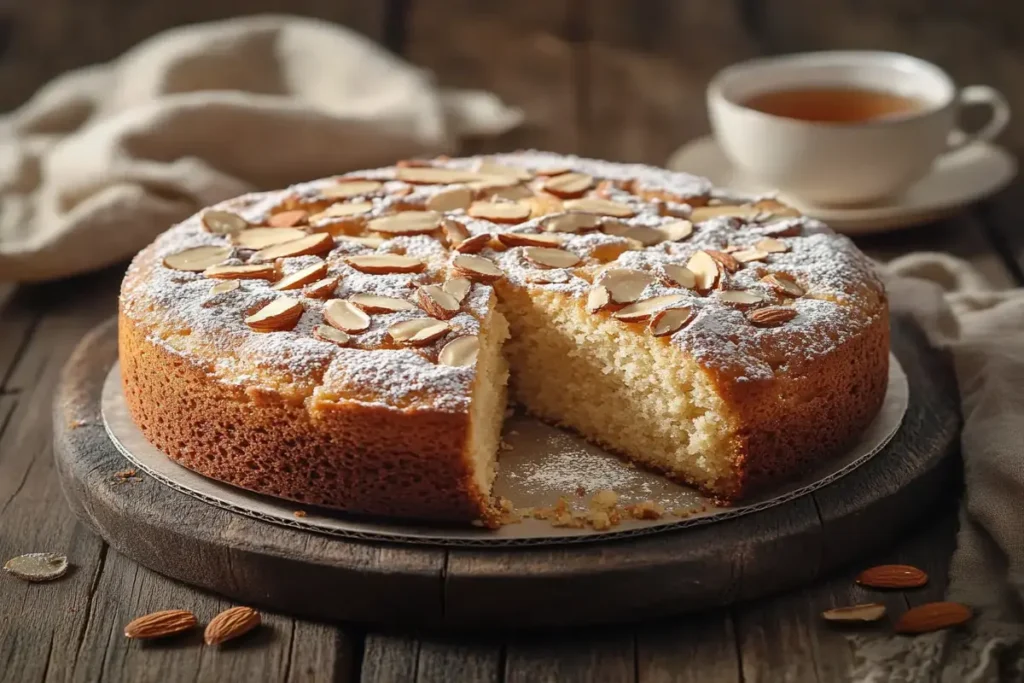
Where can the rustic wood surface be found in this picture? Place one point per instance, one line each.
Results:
(622, 80)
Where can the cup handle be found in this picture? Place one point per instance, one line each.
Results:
(974, 95)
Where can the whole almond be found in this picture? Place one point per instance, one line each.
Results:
(230, 624)
(892, 576)
(771, 316)
(870, 611)
(933, 616)
(160, 624)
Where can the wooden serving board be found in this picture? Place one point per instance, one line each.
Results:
(322, 577)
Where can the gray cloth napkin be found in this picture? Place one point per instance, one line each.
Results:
(103, 159)
(983, 330)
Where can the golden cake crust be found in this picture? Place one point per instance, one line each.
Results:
(385, 429)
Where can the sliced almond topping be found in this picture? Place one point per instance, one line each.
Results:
(302, 277)
(224, 287)
(676, 230)
(351, 188)
(418, 331)
(500, 212)
(642, 234)
(380, 264)
(458, 287)
(784, 284)
(547, 257)
(223, 222)
(346, 316)
(493, 182)
(310, 244)
(455, 231)
(604, 207)
(372, 241)
(280, 314)
(288, 219)
(451, 199)
(772, 245)
(670, 320)
(489, 167)
(341, 210)
(460, 352)
(437, 302)
(625, 285)
(703, 213)
(321, 289)
(473, 244)
(331, 334)
(783, 229)
(749, 255)
(572, 222)
(263, 271)
(427, 175)
(407, 223)
(551, 171)
(680, 275)
(261, 238)
(598, 298)
(510, 192)
(477, 268)
(522, 239)
(569, 184)
(546, 277)
(642, 310)
(740, 298)
(771, 316)
(374, 303)
(725, 260)
(705, 269)
(197, 259)
(544, 205)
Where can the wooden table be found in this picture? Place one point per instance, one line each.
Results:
(588, 88)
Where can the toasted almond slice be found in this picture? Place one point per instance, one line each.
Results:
(223, 222)
(703, 213)
(493, 182)
(867, 612)
(341, 210)
(522, 239)
(331, 334)
(573, 222)
(262, 271)
(302, 277)
(676, 231)
(772, 245)
(641, 233)
(288, 219)
(680, 275)
(428, 175)
(725, 260)
(603, 207)
(670, 320)
(598, 298)
(321, 289)
(547, 257)
(488, 167)
(474, 244)
(225, 287)
(280, 314)
(740, 298)
(197, 259)
(310, 244)
(783, 229)
(261, 238)
(771, 316)
(437, 302)
(749, 255)
(643, 310)
(455, 231)
(569, 184)
(513, 193)
(500, 212)
(372, 241)
(625, 285)
(351, 188)
(460, 352)
(477, 268)
(381, 264)
(543, 205)
(551, 171)
(346, 316)
(374, 303)
(458, 287)
(705, 269)
(451, 199)
(418, 331)
(546, 277)
(407, 223)
(784, 284)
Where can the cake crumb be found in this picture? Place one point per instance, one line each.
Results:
(127, 475)
(647, 509)
(600, 521)
(580, 491)
(604, 499)
(300, 513)
(504, 445)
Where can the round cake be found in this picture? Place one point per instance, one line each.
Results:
(348, 342)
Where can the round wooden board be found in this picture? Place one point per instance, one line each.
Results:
(329, 578)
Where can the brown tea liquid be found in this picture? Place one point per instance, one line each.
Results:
(834, 105)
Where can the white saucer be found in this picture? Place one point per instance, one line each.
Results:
(957, 179)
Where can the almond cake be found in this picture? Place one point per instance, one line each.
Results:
(348, 342)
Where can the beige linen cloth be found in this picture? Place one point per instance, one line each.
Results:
(103, 159)
(984, 332)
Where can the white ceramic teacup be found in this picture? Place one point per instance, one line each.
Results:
(844, 163)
